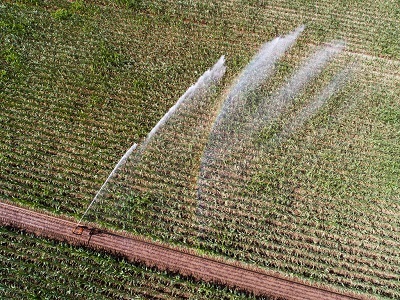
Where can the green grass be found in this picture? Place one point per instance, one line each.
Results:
(80, 82)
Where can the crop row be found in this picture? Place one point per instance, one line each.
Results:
(240, 196)
(57, 118)
(303, 233)
(161, 212)
(239, 205)
(269, 252)
(160, 178)
(224, 214)
(269, 255)
(57, 269)
(249, 226)
(65, 128)
(353, 28)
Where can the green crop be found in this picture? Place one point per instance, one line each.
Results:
(81, 82)
(59, 270)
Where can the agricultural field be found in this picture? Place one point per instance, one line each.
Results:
(37, 268)
(80, 82)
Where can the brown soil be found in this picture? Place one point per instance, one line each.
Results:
(162, 257)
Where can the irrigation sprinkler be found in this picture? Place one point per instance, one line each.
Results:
(78, 230)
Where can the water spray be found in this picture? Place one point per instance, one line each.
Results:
(232, 114)
(307, 112)
(79, 229)
(310, 69)
(210, 77)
